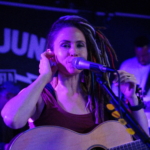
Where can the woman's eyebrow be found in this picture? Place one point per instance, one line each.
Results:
(64, 41)
(67, 41)
(81, 41)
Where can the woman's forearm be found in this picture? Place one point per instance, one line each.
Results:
(20, 108)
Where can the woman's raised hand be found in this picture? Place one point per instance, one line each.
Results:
(48, 65)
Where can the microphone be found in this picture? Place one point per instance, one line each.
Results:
(80, 63)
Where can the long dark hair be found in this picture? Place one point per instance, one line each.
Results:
(99, 51)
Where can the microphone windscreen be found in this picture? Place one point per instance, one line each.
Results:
(75, 61)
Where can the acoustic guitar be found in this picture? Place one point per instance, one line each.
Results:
(108, 135)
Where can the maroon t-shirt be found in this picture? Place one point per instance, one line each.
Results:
(53, 114)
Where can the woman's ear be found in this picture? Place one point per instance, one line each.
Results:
(48, 50)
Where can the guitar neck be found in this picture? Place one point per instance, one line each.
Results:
(135, 145)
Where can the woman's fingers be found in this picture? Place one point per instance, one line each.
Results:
(124, 77)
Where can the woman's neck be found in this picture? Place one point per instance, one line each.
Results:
(68, 84)
(69, 95)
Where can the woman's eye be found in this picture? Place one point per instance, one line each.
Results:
(65, 45)
(79, 45)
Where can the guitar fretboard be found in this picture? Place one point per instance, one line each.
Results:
(135, 145)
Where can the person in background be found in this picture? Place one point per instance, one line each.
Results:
(63, 95)
(7, 91)
(139, 66)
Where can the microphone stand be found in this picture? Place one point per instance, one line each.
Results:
(131, 122)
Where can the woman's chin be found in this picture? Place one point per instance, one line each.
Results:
(71, 72)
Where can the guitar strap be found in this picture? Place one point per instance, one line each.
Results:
(50, 89)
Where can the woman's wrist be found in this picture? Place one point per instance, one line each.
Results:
(133, 100)
(136, 103)
(46, 78)
(137, 107)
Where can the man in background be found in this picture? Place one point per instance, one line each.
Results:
(7, 91)
(140, 67)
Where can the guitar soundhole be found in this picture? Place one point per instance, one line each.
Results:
(97, 147)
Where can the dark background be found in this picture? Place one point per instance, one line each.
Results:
(107, 6)
(123, 21)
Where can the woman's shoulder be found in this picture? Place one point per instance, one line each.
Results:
(48, 94)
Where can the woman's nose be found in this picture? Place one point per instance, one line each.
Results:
(74, 52)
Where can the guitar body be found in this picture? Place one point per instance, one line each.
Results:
(106, 135)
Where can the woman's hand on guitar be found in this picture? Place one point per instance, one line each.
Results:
(127, 85)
